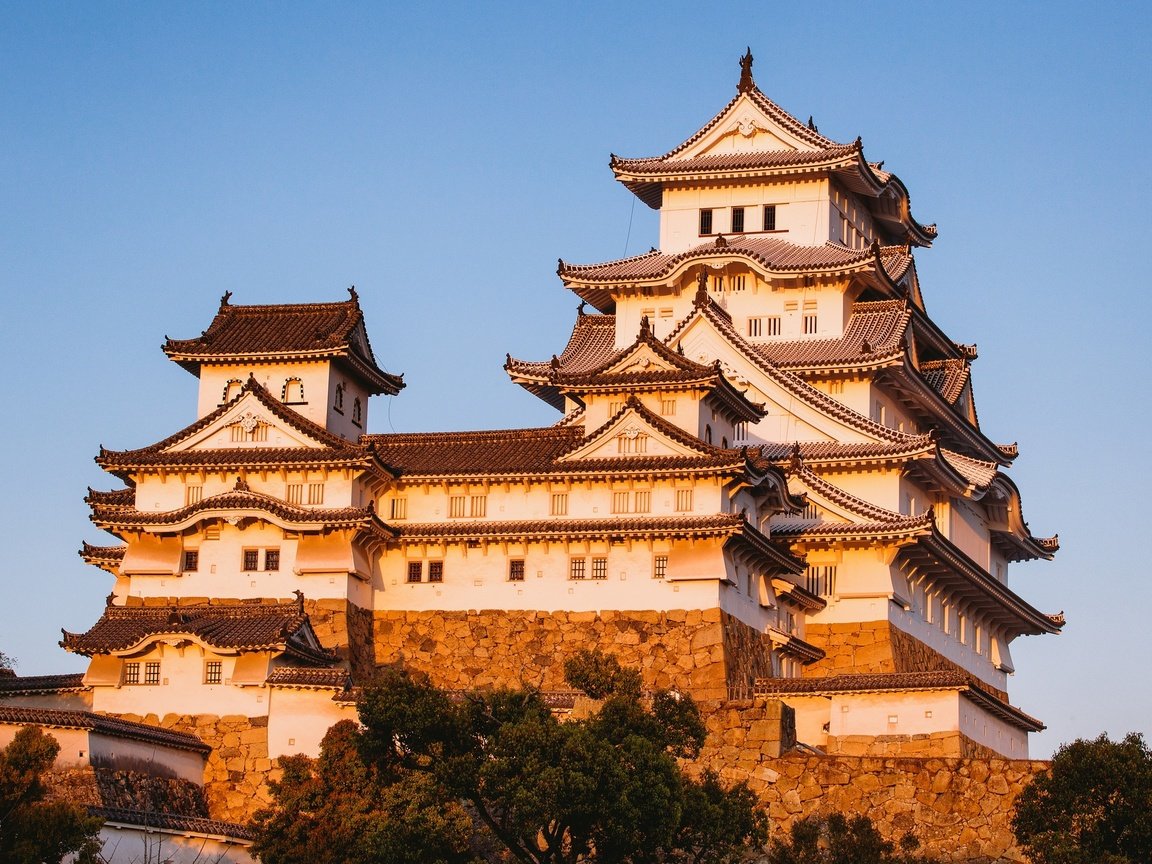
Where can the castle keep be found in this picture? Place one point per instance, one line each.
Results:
(766, 482)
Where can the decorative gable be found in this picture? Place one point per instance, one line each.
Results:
(633, 431)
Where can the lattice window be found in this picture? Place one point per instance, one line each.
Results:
(415, 571)
(706, 221)
(398, 508)
(131, 673)
(191, 560)
(619, 502)
(755, 326)
(683, 500)
(769, 217)
(250, 560)
(271, 559)
(642, 501)
(193, 495)
(152, 672)
(294, 493)
(516, 570)
(576, 568)
(213, 672)
(457, 506)
(738, 220)
(772, 325)
(660, 567)
(478, 506)
(559, 504)
(821, 580)
(435, 571)
(315, 493)
(599, 568)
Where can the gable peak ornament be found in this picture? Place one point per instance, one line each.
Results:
(746, 84)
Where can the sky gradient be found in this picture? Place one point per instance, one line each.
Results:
(154, 156)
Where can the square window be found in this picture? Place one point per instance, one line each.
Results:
(660, 567)
(705, 221)
(251, 560)
(516, 570)
(738, 220)
(213, 672)
(599, 568)
(576, 568)
(193, 494)
(415, 571)
(131, 673)
(559, 504)
(271, 559)
(619, 502)
(435, 571)
(769, 217)
(152, 672)
(456, 506)
(479, 505)
(191, 560)
(398, 508)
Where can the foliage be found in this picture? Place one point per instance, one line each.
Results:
(839, 839)
(7, 661)
(338, 809)
(1093, 804)
(603, 789)
(33, 830)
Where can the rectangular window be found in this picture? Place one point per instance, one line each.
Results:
(632, 442)
(456, 506)
(191, 560)
(754, 326)
(213, 672)
(599, 568)
(769, 217)
(295, 493)
(738, 220)
(559, 504)
(668, 407)
(821, 580)
(315, 493)
(809, 323)
(705, 222)
(642, 502)
(576, 568)
(619, 502)
(415, 571)
(271, 559)
(683, 500)
(193, 494)
(435, 571)
(131, 673)
(251, 560)
(717, 284)
(238, 433)
(152, 672)
(516, 570)
(738, 282)
(479, 506)
(772, 325)
(660, 567)
(399, 508)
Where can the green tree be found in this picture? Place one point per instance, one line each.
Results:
(840, 839)
(338, 809)
(606, 788)
(1093, 804)
(32, 829)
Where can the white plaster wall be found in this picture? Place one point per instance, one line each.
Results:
(125, 753)
(314, 375)
(991, 731)
(801, 212)
(139, 845)
(298, 720)
(915, 713)
(73, 743)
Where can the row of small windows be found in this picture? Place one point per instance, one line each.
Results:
(294, 493)
(213, 672)
(476, 506)
(772, 325)
(579, 568)
(357, 405)
(740, 220)
(250, 560)
(292, 393)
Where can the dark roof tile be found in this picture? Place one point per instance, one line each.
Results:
(101, 723)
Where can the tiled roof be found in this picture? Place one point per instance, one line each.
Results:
(244, 457)
(946, 377)
(304, 330)
(243, 626)
(174, 822)
(591, 344)
(976, 471)
(103, 724)
(102, 554)
(114, 498)
(309, 677)
(848, 451)
(332, 447)
(773, 254)
(23, 685)
(634, 526)
(736, 162)
(241, 498)
(875, 330)
(968, 686)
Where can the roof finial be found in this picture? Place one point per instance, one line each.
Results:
(645, 327)
(746, 83)
(701, 299)
(352, 294)
(580, 308)
(812, 124)
(299, 599)
(224, 300)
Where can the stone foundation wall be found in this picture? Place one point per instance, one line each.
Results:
(947, 744)
(959, 808)
(126, 790)
(699, 651)
(238, 769)
(876, 646)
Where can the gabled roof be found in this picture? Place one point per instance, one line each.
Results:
(278, 627)
(592, 343)
(168, 453)
(243, 499)
(727, 149)
(153, 820)
(105, 557)
(875, 333)
(287, 331)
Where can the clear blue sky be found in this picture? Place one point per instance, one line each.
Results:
(155, 155)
